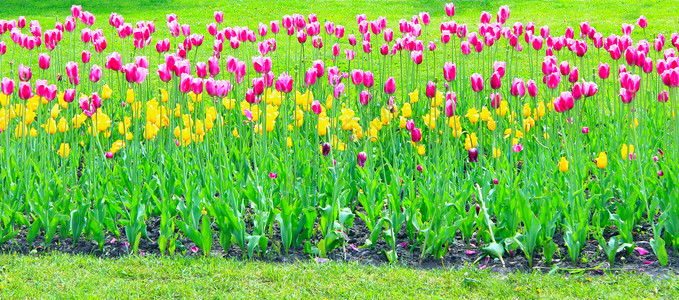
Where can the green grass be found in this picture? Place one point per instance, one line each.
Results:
(605, 15)
(62, 276)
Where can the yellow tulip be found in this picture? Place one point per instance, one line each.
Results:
(64, 150)
(414, 96)
(106, 92)
(563, 165)
(602, 160)
(164, 96)
(62, 125)
(130, 96)
(51, 126)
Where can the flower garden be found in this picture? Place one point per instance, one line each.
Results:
(494, 142)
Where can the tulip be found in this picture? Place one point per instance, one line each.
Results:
(495, 81)
(451, 104)
(416, 135)
(473, 155)
(338, 91)
(477, 82)
(219, 16)
(577, 91)
(604, 70)
(450, 9)
(449, 71)
(69, 95)
(430, 91)
(517, 148)
(44, 61)
(663, 96)
(368, 79)
(410, 125)
(197, 86)
(416, 56)
(357, 76)
(25, 91)
(365, 97)
(310, 76)
(390, 86)
(495, 100)
(532, 88)
(114, 62)
(284, 83)
(626, 96)
(316, 107)
(518, 88)
(95, 73)
(573, 76)
(25, 73)
(563, 165)
(361, 158)
(164, 73)
(465, 47)
(325, 149)
(185, 83)
(601, 160)
(201, 69)
(585, 130)
(7, 86)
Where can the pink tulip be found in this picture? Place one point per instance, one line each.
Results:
(410, 125)
(114, 62)
(477, 82)
(201, 69)
(495, 81)
(310, 76)
(449, 71)
(219, 16)
(364, 97)
(518, 88)
(565, 68)
(626, 96)
(664, 96)
(633, 83)
(532, 88)
(185, 83)
(451, 104)
(76, 11)
(495, 100)
(416, 135)
(284, 83)
(7, 86)
(604, 70)
(95, 73)
(25, 91)
(339, 90)
(350, 54)
(416, 56)
(164, 73)
(577, 91)
(339, 31)
(316, 107)
(573, 76)
(361, 158)
(589, 89)
(25, 73)
(368, 79)
(390, 86)
(614, 51)
(430, 91)
(465, 47)
(450, 9)
(44, 61)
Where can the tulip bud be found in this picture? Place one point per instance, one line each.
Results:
(473, 154)
(361, 158)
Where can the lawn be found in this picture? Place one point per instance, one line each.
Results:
(63, 276)
(363, 166)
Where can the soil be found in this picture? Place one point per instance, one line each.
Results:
(459, 255)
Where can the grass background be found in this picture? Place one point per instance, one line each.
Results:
(605, 15)
(63, 276)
